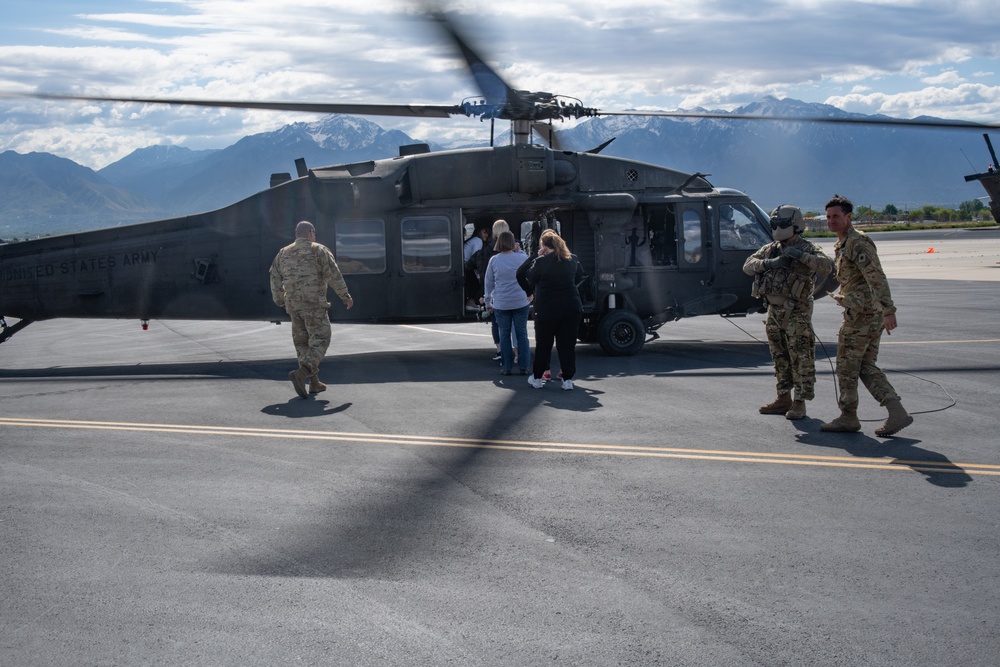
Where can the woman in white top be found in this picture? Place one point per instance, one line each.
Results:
(508, 302)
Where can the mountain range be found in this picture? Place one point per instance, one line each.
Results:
(775, 162)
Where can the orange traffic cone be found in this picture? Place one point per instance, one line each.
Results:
(930, 250)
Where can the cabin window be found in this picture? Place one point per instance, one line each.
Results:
(426, 244)
(739, 228)
(360, 246)
(692, 237)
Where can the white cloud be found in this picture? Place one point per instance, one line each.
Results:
(900, 57)
(976, 102)
(949, 77)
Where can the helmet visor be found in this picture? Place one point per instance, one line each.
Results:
(781, 223)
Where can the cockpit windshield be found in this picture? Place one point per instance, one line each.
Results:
(740, 228)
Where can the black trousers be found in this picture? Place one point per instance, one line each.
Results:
(564, 331)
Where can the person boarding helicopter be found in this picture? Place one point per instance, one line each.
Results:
(300, 275)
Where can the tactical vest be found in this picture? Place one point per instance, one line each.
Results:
(794, 282)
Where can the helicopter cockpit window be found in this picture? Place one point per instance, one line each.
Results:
(360, 246)
(426, 244)
(739, 228)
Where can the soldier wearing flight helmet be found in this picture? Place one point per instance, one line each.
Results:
(784, 274)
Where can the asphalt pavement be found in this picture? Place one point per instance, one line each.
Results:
(166, 498)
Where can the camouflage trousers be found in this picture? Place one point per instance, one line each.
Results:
(311, 336)
(857, 352)
(793, 350)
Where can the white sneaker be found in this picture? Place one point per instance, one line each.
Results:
(567, 385)
(535, 382)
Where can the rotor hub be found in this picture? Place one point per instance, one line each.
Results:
(528, 106)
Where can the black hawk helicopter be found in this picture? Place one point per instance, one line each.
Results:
(990, 180)
(656, 244)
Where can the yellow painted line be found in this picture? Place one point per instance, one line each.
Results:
(515, 445)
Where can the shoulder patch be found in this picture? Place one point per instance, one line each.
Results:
(865, 251)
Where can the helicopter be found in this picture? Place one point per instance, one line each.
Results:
(657, 245)
(990, 180)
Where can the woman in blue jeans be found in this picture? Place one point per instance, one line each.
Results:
(508, 302)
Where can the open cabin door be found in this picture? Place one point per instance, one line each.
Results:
(406, 266)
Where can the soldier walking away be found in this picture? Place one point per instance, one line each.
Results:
(300, 275)
(868, 309)
(784, 274)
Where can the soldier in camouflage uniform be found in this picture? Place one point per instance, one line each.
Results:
(868, 308)
(300, 275)
(784, 275)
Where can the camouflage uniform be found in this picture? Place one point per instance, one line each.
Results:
(864, 295)
(788, 292)
(300, 275)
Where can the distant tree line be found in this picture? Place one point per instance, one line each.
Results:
(973, 210)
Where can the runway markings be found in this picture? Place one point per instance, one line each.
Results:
(444, 331)
(885, 341)
(872, 463)
(936, 342)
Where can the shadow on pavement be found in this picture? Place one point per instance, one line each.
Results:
(936, 467)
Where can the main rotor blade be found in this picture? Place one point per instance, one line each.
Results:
(494, 89)
(443, 111)
(418, 110)
(895, 122)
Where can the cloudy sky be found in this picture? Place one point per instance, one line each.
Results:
(902, 58)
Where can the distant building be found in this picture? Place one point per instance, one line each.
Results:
(816, 224)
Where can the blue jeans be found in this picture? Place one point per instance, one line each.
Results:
(517, 320)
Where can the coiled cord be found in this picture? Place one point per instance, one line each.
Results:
(833, 371)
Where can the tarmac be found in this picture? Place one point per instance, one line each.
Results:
(166, 498)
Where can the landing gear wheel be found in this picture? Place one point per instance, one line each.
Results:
(621, 333)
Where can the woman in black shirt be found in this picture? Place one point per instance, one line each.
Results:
(552, 277)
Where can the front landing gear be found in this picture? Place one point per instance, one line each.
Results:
(621, 333)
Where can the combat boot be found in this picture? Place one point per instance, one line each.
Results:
(315, 386)
(778, 406)
(898, 419)
(298, 378)
(797, 411)
(847, 422)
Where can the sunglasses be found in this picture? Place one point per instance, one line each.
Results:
(781, 223)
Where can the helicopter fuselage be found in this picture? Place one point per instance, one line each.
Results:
(656, 244)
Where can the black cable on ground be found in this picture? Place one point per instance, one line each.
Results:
(833, 372)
